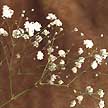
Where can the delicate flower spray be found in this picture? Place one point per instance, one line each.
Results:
(56, 57)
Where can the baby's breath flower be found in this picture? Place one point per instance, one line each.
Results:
(51, 16)
(62, 62)
(98, 58)
(73, 103)
(80, 51)
(56, 22)
(75, 29)
(40, 55)
(3, 32)
(74, 69)
(60, 82)
(18, 33)
(104, 53)
(101, 93)
(89, 90)
(50, 49)
(81, 59)
(35, 44)
(88, 43)
(7, 12)
(78, 65)
(31, 27)
(52, 58)
(52, 67)
(18, 56)
(94, 65)
(46, 32)
(101, 104)
(80, 98)
(25, 36)
(62, 53)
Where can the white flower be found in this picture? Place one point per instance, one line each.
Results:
(51, 16)
(17, 33)
(46, 32)
(62, 62)
(74, 70)
(101, 104)
(50, 49)
(81, 59)
(25, 36)
(104, 53)
(18, 56)
(37, 26)
(62, 53)
(94, 65)
(60, 82)
(52, 67)
(80, 51)
(98, 58)
(73, 103)
(56, 22)
(88, 43)
(79, 98)
(101, 93)
(53, 77)
(31, 27)
(89, 89)
(7, 12)
(78, 65)
(3, 32)
(35, 44)
(40, 55)
(52, 58)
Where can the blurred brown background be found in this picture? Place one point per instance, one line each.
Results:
(91, 17)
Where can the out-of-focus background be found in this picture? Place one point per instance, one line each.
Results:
(91, 17)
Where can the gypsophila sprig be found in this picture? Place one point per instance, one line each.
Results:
(25, 41)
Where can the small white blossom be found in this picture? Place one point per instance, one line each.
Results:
(52, 67)
(31, 27)
(80, 98)
(75, 29)
(62, 62)
(101, 104)
(17, 33)
(18, 56)
(81, 59)
(40, 55)
(7, 12)
(3, 32)
(94, 65)
(98, 58)
(51, 16)
(104, 53)
(46, 32)
(35, 44)
(56, 22)
(74, 69)
(62, 53)
(78, 65)
(60, 82)
(101, 93)
(50, 50)
(89, 90)
(52, 58)
(88, 43)
(80, 51)
(73, 103)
